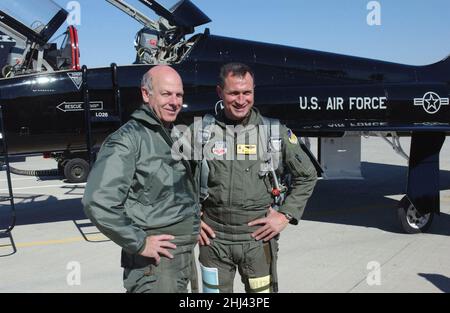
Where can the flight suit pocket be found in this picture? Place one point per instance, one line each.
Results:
(152, 195)
(142, 280)
(257, 259)
(144, 197)
(142, 188)
(301, 165)
(258, 188)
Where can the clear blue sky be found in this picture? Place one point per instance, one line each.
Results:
(413, 32)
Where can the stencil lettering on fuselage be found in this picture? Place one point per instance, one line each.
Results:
(344, 104)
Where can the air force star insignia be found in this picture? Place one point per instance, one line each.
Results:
(292, 138)
(431, 102)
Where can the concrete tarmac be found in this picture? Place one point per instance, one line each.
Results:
(350, 239)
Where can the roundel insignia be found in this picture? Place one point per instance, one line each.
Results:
(431, 102)
(292, 138)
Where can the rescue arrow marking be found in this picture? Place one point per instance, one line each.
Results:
(79, 106)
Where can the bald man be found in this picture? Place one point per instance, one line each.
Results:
(143, 199)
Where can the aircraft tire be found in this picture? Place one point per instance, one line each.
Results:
(76, 170)
(412, 222)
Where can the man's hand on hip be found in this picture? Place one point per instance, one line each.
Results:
(155, 246)
(272, 225)
(206, 232)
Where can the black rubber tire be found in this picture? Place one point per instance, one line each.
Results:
(76, 171)
(407, 214)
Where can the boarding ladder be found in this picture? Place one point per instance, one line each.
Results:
(91, 120)
(5, 162)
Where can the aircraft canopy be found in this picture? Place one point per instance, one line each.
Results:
(33, 18)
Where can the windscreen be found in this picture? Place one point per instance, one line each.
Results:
(35, 14)
(179, 13)
(168, 4)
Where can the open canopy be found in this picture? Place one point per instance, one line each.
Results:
(36, 19)
(179, 13)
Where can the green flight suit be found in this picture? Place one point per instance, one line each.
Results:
(238, 194)
(137, 189)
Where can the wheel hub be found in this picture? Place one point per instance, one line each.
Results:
(415, 219)
(77, 171)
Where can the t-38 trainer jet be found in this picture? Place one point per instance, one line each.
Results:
(51, 106)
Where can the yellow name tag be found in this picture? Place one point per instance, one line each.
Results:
(246, 149)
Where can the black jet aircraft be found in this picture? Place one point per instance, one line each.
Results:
(337, 98)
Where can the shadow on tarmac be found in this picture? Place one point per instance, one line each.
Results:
(38, 209)
(360, 203)
(440, 281)
(365, 203)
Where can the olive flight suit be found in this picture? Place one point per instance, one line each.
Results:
(137, 189)
(239, 194)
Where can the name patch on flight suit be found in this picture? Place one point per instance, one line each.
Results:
(247, 149)
(292, 138)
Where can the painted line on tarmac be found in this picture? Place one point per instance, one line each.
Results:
(19, 179)
(91, 238)
(45, 186)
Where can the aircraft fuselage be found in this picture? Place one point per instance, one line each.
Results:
(315, 93)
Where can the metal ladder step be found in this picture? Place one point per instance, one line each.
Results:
(90, 120)
(4, 155)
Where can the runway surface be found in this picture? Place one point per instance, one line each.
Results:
(349, 240)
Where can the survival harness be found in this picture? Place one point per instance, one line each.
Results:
(270, 140)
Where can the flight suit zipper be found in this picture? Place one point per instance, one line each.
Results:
(230, 197)
(170, 142)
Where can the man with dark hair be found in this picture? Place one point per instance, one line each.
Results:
(142, 198)
(237, 69)
(243, 213)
